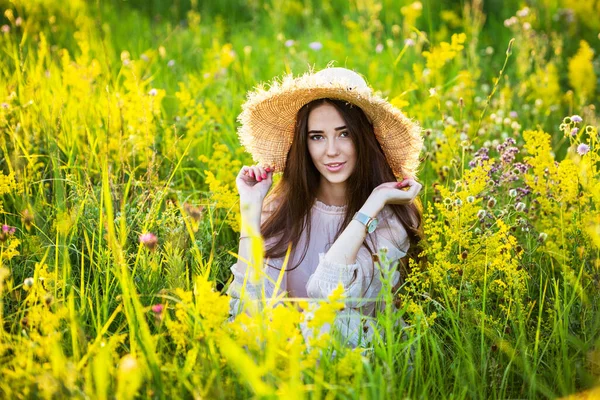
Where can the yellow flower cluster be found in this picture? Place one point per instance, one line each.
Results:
(411, 13)
(199, 314)
(463, 261)
(223, 167)
(581, 72)
(440, 55)
(325, 313)
(226, 199)
(8, 251)
(179, 328)
(449, 153)
(554, 185)
(8, 185)
(543, 84)
(211, 306)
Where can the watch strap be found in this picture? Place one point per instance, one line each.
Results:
(364, 219)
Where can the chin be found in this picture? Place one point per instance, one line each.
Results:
(335, 179)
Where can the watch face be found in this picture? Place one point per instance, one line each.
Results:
(372, 225)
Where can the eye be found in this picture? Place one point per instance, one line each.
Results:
(345, 133)
(315, 136)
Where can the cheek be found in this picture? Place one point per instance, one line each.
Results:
(351, 151)
(312, 150)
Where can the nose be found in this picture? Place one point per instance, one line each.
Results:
(332, 148)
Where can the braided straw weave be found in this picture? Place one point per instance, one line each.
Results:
(268, 117)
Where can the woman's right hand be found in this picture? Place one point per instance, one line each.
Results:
(253, 183)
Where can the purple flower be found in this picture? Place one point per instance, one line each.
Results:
(171, 63)
(409, 42)
(149, 240)
(289, 43)
(379, 48)
(153, 92)
(576, 119)
(574, 131)
(583, 149)
(521, 167)
(5, 106)
(513, 114)
(5, 29)
(158, 308)
(480, 155)
(8, 229)
(316, 46)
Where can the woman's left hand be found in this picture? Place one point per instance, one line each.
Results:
(403, 192)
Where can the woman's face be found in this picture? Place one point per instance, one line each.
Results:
(329, 144)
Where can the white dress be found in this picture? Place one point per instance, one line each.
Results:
(316, 278)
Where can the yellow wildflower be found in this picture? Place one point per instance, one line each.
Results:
(581, 72)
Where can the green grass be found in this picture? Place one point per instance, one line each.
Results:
(98, 160)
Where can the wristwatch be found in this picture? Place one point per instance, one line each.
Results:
(370, 223)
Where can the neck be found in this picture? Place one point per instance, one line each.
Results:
(333, 194)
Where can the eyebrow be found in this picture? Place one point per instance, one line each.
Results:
(339, 128)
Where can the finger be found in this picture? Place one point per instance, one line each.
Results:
(243, 172)
(410, 182)
(263, 173)
(257, 173)
(406, 182)
(413, 191)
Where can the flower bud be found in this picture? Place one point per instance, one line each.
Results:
(28, 283)
(157, 308)
(48, 299)
(520, 206)
(149, 240)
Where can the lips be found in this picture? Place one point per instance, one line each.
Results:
(333, 167)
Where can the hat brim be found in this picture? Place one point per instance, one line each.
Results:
(268, 119)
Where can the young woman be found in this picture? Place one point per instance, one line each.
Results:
(340, 148)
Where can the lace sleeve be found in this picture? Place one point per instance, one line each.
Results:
(361, 280)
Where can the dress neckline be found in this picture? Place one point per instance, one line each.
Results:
(326, 208)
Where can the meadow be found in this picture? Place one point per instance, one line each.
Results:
(120, 216)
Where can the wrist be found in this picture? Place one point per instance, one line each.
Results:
(372, 206)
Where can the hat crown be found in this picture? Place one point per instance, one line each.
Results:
(344, 76)
(268, 117)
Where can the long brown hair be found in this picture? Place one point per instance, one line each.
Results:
(296, 192)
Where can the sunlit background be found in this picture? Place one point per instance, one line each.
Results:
(120, 215)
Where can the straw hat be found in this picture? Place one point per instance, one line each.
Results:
(268, 117)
